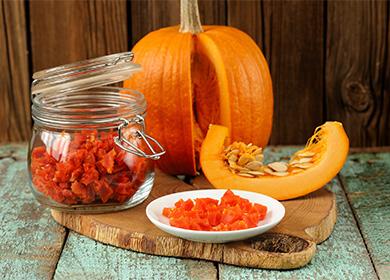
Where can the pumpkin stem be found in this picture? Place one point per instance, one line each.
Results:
(189, 17)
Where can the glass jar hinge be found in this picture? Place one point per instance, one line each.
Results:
(130, 147)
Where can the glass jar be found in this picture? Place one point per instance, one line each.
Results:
(89, 151)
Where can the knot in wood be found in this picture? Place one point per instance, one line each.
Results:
(357, 96)
(279, 243)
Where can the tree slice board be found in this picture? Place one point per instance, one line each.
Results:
(292, 244)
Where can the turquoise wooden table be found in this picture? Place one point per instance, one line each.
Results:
(33, 246)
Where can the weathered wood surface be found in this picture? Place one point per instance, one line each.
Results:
(366, 178)
(84, 258)
(30, 241)
(68, 31)
(15, 118)
(355, 66)
(301, 221)
(342, 256)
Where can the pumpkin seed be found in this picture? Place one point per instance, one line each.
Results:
(306, 154)
(259, 157)
(251, 150)
(274, 173)
(268, 170)
(294, 161)
(303, 165)
(243, 174)
(281, 174)
(244, 159)
(233, 158)
(254, 165)
(278, 166)
(240, 168)
(237, 167)
(255, 173)
(233, 152)
(258, 151)
(241, 146)
(305, 159)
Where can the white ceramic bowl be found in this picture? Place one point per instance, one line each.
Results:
(275, 213)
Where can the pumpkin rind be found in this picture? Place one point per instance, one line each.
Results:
(165, 56)
(332, 159)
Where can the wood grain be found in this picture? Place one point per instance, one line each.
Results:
(212, 12)
(342, 256)
(248, 17)
(356, 42)
(84, 258)
(31, 242)
(328, 60)
(158, 13)
(366, 179)
(68, 30)
(290, 245)
(294, 40)
(15, 123)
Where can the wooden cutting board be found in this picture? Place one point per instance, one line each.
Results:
(308, 221)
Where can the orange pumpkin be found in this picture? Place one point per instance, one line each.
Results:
(193, 76)
(329, 148)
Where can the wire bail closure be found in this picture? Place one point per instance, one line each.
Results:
(119, 140)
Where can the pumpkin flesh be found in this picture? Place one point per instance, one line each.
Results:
(206, 91)
(331, 145)
(246, 99)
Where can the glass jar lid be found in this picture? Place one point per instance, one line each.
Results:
(85, 74)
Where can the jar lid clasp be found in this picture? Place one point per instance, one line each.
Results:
(140, 133)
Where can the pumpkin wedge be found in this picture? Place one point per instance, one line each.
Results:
(327, 148)
(195, 75)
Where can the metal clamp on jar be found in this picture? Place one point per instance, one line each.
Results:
(89, 151)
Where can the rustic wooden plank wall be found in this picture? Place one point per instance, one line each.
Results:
(295, 53)
(329, 59)
(356, 50)
(15, 120)
(67, 31)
